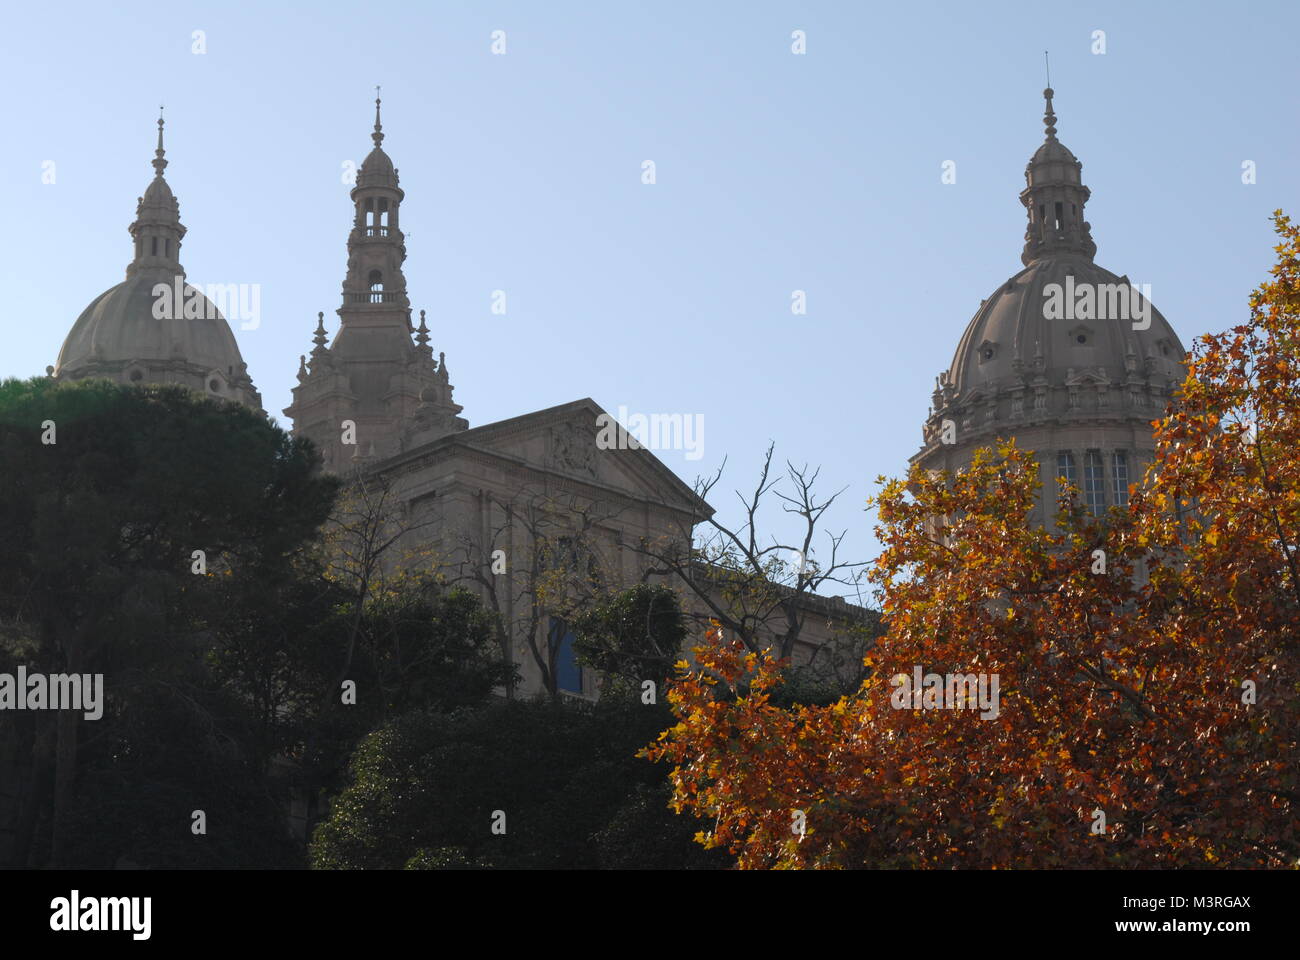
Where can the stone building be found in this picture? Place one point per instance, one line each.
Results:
(477, 503)
(1075, 372)
(379, 406)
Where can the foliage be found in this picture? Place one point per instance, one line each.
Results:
(98, 530)
(634, 635)
(1125, 693)
(426, 786)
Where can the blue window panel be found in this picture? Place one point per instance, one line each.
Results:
(568, 675)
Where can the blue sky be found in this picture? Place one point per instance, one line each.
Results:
(775, 173)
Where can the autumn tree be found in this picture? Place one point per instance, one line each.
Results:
(1145, 713)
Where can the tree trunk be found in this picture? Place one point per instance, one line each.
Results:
(67, 727)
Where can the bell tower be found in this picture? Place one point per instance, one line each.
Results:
(375, 391)
(376, 314)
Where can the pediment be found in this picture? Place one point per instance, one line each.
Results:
(582, 442)
(1095, 376)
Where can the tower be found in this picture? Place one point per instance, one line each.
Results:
(1065, 356)
(374, 376)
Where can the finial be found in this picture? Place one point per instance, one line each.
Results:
(320, 338)
(1049, 118)
(422, 333)
(378, 135)
(159, 159)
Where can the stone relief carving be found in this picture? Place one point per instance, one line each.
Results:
(573, 449)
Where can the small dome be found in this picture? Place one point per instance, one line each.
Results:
(1053, 151)
(377, 169)
(377, 162)
(158, 192)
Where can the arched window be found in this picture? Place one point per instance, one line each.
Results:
(376, 287)
(1094, 482)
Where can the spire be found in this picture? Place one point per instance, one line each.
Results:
(422, 334)
(159, 155)
(1054, 198)
(378, 135)
(319, 338)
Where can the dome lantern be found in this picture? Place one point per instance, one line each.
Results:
(1054, 198)
(157, 231)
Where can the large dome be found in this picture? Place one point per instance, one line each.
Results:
(154, 327)
(1068, 358)
(1063, 323)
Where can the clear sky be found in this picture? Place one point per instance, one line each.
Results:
(775, 173)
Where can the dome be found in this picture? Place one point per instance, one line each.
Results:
(119, 326)
(1061, 322)
(1061, 351)
(377, 163)
(1070, 359)
(1053, 151)
(158, 192)
(377, 169)
(153, 327)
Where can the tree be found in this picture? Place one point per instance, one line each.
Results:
(369, 540)
(1146, 712)
(544, 557)
(127, 516)
(632, 636)
(418, 645)
(513, 784)
(758, 592)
